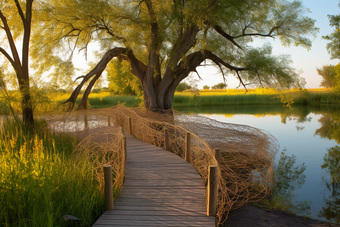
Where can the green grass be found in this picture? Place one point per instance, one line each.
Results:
(40, 180)
(107, 101)
(220, 98)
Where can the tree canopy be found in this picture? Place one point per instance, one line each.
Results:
(219, 86)
(333, 46)
(328, 74)
(121, 80)
(165, 40)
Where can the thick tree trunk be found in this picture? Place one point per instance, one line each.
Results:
(26, 104)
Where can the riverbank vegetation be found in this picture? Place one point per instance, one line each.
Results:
(52, 101)
(41, 180)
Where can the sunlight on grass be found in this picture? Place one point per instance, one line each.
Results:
(40, 180)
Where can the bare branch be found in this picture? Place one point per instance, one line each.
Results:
(9, 58)
(219, 30)
(11, 43)
(21, 13)
(83, 102)
(97, 69)
(241, 81)
(137, 66)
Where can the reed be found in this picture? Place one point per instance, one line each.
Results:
(41, 181)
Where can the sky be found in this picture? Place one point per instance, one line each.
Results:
(304, 60)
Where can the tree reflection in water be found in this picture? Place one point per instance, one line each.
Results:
(332, 166)
(330, 127)
(287, 179)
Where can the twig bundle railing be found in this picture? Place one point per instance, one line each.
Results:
(245, 172)
(248, 178)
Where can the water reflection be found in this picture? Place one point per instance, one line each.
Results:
(289, 177)
(332, 167)
(321, 126)
(330, 129)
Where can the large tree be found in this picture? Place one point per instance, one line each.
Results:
(15, 24)
(328, 74)
(166, 40)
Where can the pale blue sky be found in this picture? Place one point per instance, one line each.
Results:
(304, 60)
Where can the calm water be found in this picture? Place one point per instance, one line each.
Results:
(309, 134)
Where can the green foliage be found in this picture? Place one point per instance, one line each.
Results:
(288, 178)
(206, 87)
(219, 86)
(333, 46)
(332, 163)
(78, 23)
(40, 180)
(108, 101)
(121, 80)
(330, 127)
(331, 211)
(328, 74)
(183, 86)
(269, 70)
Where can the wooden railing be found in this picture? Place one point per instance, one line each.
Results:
(183, 143)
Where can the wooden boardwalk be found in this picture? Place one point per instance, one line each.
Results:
(160, 189)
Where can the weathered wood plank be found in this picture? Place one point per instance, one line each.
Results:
(160, 189)
(155, 212)
(154, 222)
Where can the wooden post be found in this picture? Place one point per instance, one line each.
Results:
(124, 149)
(166, 139)
(86, 123)
(130, 126)
(217, 153)
(212, 190)
(187, 147)
(108, 187)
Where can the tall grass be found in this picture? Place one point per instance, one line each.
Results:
(255, 97)
(40, 180)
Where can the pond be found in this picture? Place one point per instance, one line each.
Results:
(312, 135)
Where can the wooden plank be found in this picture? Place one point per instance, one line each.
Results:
(181, 218)
(156, 212)
(173, 207)
(165, 201)
(153, 222)
(160, 189)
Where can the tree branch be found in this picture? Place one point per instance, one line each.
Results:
(219, 30)
(137, 66)
(83, 102)
(9, 58)
(11, 44)
(258, 34)
(97, 69)
(241, 81)
(21, 13)
(189, 64)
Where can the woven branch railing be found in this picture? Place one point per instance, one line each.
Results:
(101, 144)
(243, 176)
(245, 172)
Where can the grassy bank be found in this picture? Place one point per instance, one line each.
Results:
(229, 97)
(255, 97)
(41, 181)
